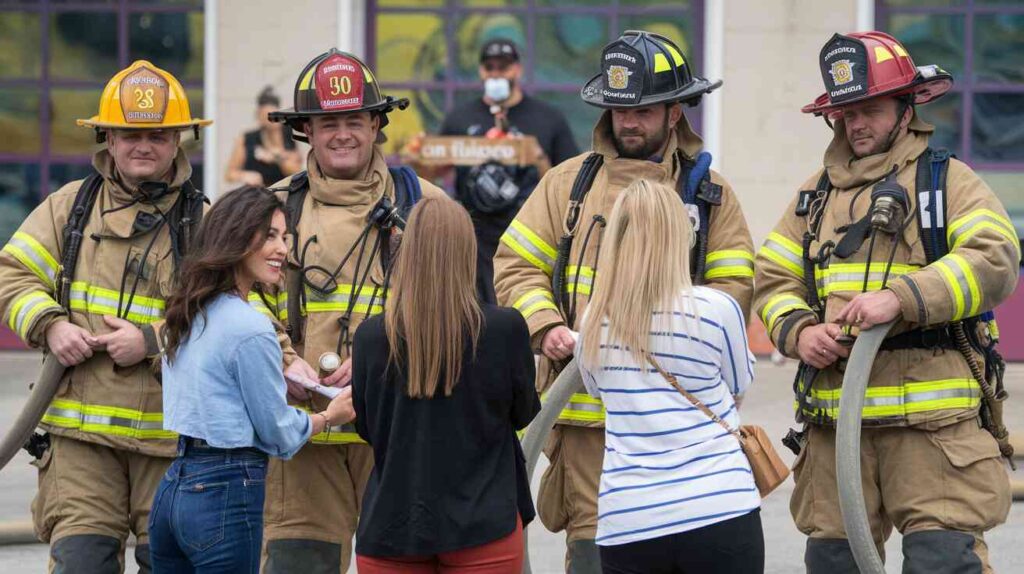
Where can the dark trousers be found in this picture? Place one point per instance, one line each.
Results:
(208, 511)
(734, 546)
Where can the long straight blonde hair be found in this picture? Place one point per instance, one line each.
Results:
(644, 267)
(432, 310)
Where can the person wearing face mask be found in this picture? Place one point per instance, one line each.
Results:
(893, 230)
(345, 213)
(85, 278)
(492, 192)
(267, 154)
(547, 261)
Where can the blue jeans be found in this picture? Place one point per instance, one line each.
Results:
(207, 515)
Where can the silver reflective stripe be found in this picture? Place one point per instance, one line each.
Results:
(93, 299)
(524, 242)
(103, 419)
(782, 250)
(30, 251)
(731, 262)
(33, 303)
(900, 400)
(961, 279)
(589, 407)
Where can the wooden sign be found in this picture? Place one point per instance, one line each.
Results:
(471, 150)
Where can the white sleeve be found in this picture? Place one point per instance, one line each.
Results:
(588, 378)
(737, 360)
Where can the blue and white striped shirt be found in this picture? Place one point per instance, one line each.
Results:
(668, 468)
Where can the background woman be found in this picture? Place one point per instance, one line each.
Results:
(266, 155)
(440, 385)
(224, 393)
(676, 493)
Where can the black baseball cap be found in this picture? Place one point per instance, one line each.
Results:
(499, 48)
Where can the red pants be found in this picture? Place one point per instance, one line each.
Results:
(503, 556)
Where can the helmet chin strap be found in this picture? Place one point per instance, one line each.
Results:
(905, 103)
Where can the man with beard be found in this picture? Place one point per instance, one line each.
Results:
(643, 133)
(847, 255)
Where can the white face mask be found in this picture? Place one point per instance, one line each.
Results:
(497, 89)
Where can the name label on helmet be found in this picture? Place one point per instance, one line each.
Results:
(339, 84)
(623, 72)
(143, 97)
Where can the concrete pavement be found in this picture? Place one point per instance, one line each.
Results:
(769, 403)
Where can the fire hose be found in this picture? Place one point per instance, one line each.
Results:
(38, 401)
(557, 397)
(851, 493)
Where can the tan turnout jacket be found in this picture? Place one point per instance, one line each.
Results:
(928, 387)
(524, 260)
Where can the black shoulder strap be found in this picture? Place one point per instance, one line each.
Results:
(932, 167)
(297, 189)
(187, 214)
(72, 233)
(580, 187)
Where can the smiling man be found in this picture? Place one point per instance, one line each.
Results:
(98, 310)
(848, 255)
(336, 276)
(644, 82)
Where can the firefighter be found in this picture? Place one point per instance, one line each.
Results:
(345, 210)
(891, 229)
(545, 265)
(95, 302)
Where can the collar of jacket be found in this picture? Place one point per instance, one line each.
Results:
(846, 171)
(682, 138)
(115, 194)
(364, 191)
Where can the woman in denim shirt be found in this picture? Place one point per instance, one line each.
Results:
(224, 393)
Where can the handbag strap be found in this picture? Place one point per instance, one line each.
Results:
(693, 400)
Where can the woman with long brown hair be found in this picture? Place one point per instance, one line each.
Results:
(224, 392)
(440, 384)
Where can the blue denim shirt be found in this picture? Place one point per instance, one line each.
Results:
(226, 385)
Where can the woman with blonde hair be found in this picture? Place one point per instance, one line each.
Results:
(676, 492)
(440, 384)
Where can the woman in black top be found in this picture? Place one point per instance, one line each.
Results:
(266, 155)
(440, 385)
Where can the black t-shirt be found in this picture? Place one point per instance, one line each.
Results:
(529, 117)
(271, 172)
(449, 472)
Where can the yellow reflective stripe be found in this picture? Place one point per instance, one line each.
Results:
(528, 245)
(338, 434)
(579, 280)
(966, 295)
(109, 420)
(972, 283)
(784, 251)
(840, 277)
(33, 255)
(778, 306)
(729, 263)
(26, 308)
(909, 398)
(533, 301)
(100, 301)
(339, 300)
(256, 302)
(964, 227)
(583, 408)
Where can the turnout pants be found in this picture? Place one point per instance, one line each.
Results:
(568, 493)
(90, 496)
(312, 506)
(941, 489)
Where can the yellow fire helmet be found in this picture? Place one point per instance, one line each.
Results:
(143, 97)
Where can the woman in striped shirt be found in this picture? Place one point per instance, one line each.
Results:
(676, 493)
